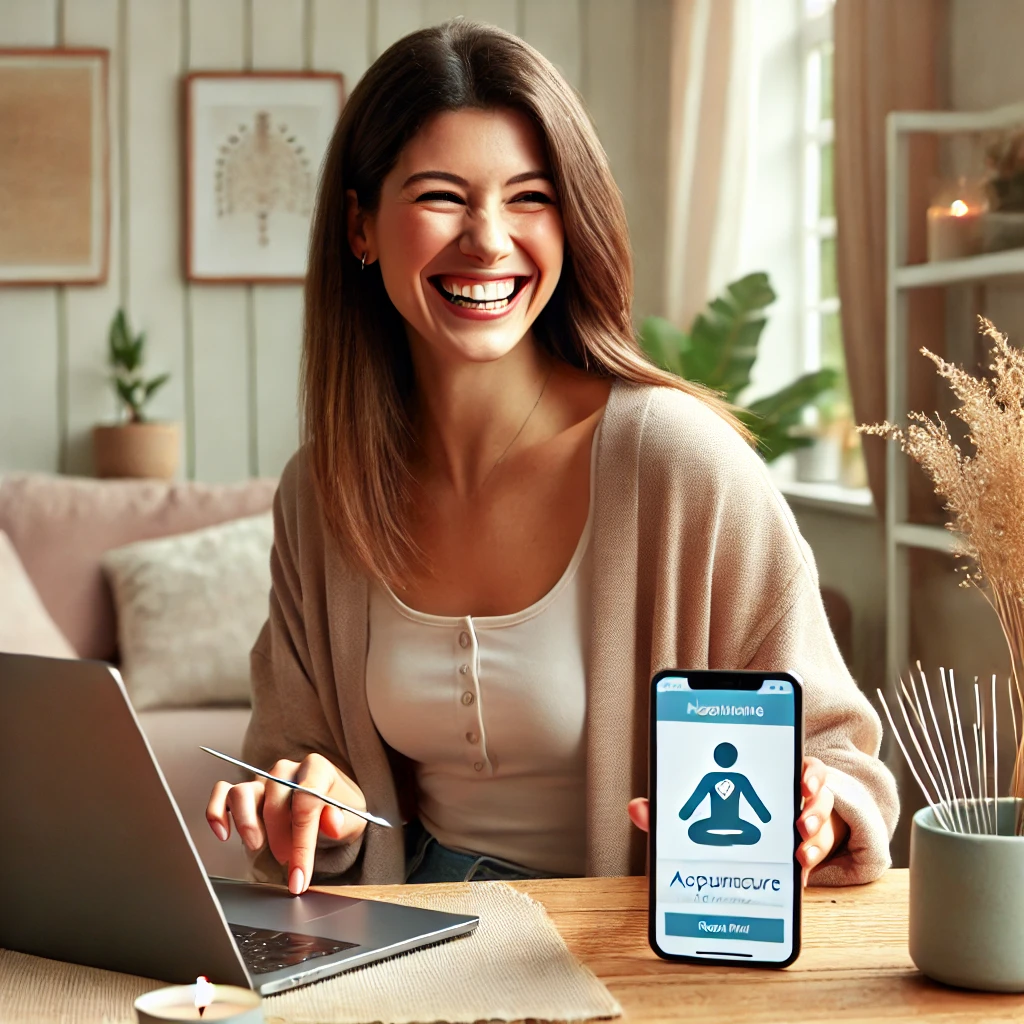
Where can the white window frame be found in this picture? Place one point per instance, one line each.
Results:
(815, 32)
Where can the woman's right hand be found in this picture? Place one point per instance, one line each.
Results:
(289, 821)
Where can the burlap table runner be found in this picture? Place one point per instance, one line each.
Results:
(514, 967)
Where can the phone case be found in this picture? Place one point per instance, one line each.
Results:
(722, 678)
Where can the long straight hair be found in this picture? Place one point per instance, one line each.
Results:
(357, 375)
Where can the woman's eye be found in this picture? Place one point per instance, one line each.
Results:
(451, 197)
(447, 197)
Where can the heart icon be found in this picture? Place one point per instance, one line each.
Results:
(724, 788)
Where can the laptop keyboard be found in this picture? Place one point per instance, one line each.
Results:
(264, 950)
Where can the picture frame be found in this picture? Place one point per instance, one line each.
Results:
(254, 143)
(54, 167)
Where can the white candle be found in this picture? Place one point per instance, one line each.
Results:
(186, 1011)
(954, 231)
(178, 1003)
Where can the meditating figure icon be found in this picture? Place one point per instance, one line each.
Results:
(724, 827)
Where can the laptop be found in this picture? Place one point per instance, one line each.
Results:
(97, 867)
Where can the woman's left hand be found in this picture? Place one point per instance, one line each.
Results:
(822, 828)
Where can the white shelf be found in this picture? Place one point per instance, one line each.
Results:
(950, 122)
(972, 268)
(1007, 266)
(920, 535)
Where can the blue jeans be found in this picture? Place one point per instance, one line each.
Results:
(426, 860)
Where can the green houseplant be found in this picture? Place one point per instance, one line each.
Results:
(719, 351)
(135, 447)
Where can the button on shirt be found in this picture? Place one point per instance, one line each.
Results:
(492, 712)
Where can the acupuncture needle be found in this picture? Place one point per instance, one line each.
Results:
(301, 789)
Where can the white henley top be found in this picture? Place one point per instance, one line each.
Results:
(492, 711)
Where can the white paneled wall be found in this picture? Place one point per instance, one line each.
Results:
(218, 321)
(233, 351)
(30, 355)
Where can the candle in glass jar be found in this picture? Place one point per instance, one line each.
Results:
(954, 231)
(178, 1003)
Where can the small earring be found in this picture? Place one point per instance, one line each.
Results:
(362, 262)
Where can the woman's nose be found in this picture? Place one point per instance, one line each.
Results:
(486, 237)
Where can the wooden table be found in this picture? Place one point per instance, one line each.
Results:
(854, 965)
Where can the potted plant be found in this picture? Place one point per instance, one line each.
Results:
(828, 424)
(967, 846)
(1003, 223)
(135, 447)
(719, 351)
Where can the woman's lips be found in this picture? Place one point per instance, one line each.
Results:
(470, 313)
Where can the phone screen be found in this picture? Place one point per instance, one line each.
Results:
(725, 882)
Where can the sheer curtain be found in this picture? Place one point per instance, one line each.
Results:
(712, 75)
(887, 57)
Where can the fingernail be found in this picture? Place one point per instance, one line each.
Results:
(813, 853)
(811, 824)
(219, 830)
(814, 784)
(295, 880)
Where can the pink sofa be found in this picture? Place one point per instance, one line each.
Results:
(59, 528)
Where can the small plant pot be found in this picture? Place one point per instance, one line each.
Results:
(966, 902)
(149, 450)
(820, 462)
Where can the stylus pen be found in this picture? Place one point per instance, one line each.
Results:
(302, 789)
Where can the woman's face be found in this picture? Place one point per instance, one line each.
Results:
(469, 234)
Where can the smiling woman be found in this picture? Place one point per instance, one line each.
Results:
(487, 241)
(503, 518)
(462, 157)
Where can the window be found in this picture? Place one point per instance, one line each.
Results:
(822, 330)
(821, 326)
(789, 228)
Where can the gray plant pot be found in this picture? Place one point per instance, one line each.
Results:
(820, 462)
(967, 903)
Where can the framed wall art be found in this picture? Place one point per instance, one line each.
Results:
(254, 144)
(54, 167)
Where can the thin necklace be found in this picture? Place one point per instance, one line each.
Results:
(501, 457)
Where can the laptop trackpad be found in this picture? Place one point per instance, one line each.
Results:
(264, 906)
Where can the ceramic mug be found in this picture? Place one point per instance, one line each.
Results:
(967, 902)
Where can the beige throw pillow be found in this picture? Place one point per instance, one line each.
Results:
(189, 609)
(25, 625)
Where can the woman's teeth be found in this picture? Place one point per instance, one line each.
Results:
(481, 295)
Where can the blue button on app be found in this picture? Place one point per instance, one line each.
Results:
(715, 926)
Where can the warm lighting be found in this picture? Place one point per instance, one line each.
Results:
(204, 994)
(200, 1002)
(954, 229)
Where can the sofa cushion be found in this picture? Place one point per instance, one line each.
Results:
(25, 625)
(61, 526)
(189, 609)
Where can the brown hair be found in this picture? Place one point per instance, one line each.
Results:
(357, 375)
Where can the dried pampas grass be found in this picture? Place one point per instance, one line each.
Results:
(984, 490)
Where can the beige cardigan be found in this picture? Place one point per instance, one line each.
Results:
(697, 563)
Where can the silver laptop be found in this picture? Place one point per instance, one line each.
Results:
(97, 867)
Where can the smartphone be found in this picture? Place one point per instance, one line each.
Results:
(726, 754)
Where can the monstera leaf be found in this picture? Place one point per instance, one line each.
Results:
(664, 343)
(773, 418)
(723, 340)
(720, 351)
